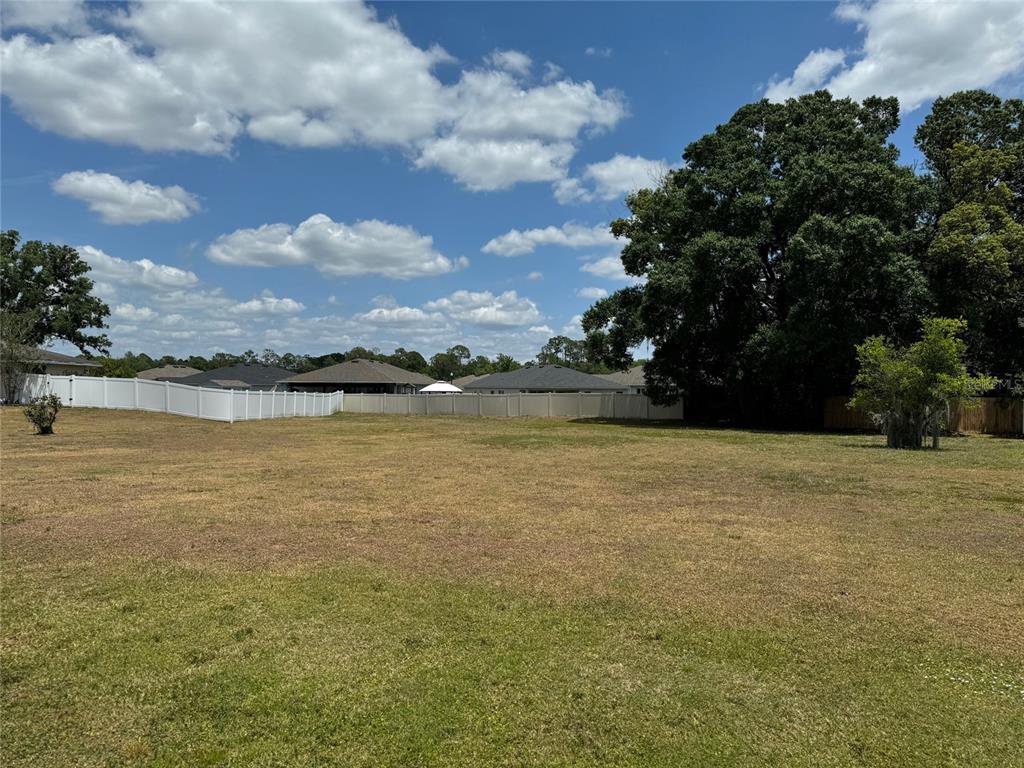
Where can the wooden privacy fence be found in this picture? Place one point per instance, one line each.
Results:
(555, 404)
(167, 397)
(991, 416)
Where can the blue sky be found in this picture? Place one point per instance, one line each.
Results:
(309, 177)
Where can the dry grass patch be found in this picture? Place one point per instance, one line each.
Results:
(790, 573)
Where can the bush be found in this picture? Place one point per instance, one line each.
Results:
(42, 412)
(909, 391)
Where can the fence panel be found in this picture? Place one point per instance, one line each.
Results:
(554, 404)
(152, 395)
(465, 406)
(396, 404)
(438, 406)
(179, 399)
(990, 415)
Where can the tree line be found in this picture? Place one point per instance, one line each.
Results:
(451, 364)
(793, 232)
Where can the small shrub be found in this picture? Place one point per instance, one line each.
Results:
(42, 412)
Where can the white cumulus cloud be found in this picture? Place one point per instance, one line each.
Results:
(268, 304)
(608, 267)
(487, 309)
(518, 242)
(611, 179)
(113, 270)
(515, 62)
(915, 51)
(126, 202)
(197, 76)
(364, 248)
(592, 292)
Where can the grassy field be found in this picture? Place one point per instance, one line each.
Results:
(376, 591)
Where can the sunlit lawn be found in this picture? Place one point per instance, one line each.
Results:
(414, 591)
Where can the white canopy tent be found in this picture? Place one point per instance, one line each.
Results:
(440, 387)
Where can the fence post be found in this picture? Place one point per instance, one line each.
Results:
(231, 406)
(261, 403)
(549, 404)
(520, 403)
(136, 393)
(49, 387)
(104, 391)
(167, 397)
(199, 403)
(247, 405)
(71, 391)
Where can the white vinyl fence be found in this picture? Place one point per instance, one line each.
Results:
(181, 399)
(579, 405)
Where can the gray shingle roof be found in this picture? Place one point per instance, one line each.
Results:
(462, 381)
(167, 372)
(544, 377)
(634, 377)
(361, 371)
(252, 375)
(46, 356)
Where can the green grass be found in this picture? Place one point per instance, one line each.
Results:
(579, 594)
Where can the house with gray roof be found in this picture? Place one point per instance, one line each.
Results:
(360, 376)
(633, 380)
(241, 376)
(541, 378)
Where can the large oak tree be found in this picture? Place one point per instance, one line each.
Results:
(790, 234)
(49, 283)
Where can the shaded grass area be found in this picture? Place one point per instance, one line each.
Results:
(366, 590)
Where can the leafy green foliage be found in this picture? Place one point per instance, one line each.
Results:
(975, 263)
(786, 238)
(909, 391)
(793, 232)
(15, 352)
(42, 412)
(49, 281)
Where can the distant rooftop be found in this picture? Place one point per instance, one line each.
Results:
(634, 377)
(254, 375)
(361, 371)
(168, 372)
(544, 377)
(46, 356)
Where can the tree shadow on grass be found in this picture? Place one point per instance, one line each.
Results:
(691, 426)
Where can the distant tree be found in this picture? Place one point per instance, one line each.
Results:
(270, 357)
(362, 353)
(408, 360)
(221, 359)
(480, 365)
(978, 118)
(909, 390)
(445, 366)
(461, 352)
(116, 367)
(561, 350)
(504, 363)
(49, 282)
